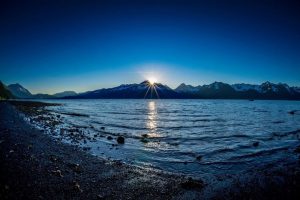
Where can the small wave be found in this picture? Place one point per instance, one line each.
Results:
(122, 113)
(285, 134)
(278, 122)
(260, 153)
(124, 126)
(192, 115)
(72, 114)
(223, 162)
(261, 111)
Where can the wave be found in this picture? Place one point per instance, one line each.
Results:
(260, 153)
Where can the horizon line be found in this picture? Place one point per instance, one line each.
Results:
(67, 90)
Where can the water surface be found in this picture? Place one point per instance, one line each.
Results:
(192, 137)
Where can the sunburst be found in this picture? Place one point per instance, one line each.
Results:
(152, 80)
(151, 83)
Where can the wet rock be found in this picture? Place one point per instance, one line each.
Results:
(297, 150)
(145, 135)
(86, 148)
(75, 168)
(144, 140)
(121, 140)
(52, 158)
(255, 144)
(191, 184)
(77, 186)
(57, 173)
(109, 138)
(199, 157)
(292, 112)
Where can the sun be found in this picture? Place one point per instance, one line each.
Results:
(151, 84)
(152, 80)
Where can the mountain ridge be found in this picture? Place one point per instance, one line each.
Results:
(266, 90)
(19, 91)
(215, 90)
(4, 92)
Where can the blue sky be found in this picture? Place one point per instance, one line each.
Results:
(51, 46)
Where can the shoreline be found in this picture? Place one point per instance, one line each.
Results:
(37, 166)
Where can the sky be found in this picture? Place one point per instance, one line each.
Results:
(50, 46)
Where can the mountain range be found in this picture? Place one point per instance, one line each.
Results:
(4, 92)
(19, 92)
(131, 91)
(219, 90)
(145, 89)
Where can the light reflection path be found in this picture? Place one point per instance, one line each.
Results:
(152, 119)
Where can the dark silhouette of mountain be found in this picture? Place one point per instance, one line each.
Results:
(65, 94)
(43, 96)
(219, 90)
(216, 90)
(4, 92)
(54, 96)
(19, 91)
(22, 93)
(132, 91)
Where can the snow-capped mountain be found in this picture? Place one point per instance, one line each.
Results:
(266, 90)
(216, 90)
(245, 87)
(19, 91)
(132, 91)
(183, 88)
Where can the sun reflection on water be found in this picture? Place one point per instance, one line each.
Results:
(152, 119)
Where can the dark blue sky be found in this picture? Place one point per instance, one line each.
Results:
(50, 46)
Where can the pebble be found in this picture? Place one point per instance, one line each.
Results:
(86, 148)
(192, 184)
(109, 138)
(297, 150)
(121, 140)
(255, 144)
(199, 157)
(57, 173)
(292, 112)
(77, 186)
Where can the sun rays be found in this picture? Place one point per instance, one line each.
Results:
(152, 88)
